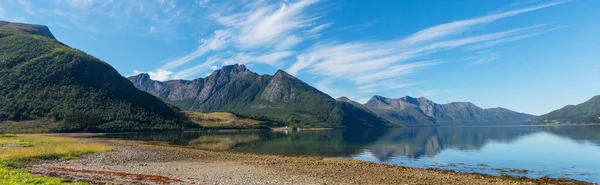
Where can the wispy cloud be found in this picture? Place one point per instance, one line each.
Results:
(482, 57)
(514, 38)
(384, 85)
(373, 66)
(193, 70)
(327, 87)
(26, 6)
(462, 26)
(261, 32)
(265, 26)
(358, 27)
(219, 39)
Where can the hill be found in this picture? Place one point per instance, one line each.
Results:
(586, 112)
(421, 111)
(280, 98)
(51, 87)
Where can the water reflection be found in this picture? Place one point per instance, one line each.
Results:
(417, 146)
(413, 142)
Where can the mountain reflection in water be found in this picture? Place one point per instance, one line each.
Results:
(418, 146)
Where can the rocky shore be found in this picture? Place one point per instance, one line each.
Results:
(137, 162)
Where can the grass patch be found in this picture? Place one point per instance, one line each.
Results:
(20, 177)
(36, 147)
(222, 120)
(20, 150)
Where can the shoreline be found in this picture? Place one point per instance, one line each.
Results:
(143, 162)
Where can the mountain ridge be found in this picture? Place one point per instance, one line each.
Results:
(421, 111)
(586, 112)
(280, 97)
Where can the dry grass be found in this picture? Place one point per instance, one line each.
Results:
(17, 151)
(221, 120)
(25, 148)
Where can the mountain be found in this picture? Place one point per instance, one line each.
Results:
(280, 98)
(586, 112)
(421, 111)
(46, 83)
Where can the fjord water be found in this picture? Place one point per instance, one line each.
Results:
(532, 151)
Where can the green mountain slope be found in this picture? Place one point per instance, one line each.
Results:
(43, 79)
(586, 112)
(279, 98)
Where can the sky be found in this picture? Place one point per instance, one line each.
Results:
(530, 56)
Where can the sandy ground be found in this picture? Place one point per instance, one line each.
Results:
(136, 162)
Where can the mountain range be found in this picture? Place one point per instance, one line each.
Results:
(280, 98)
(284, 98)
(421, 111)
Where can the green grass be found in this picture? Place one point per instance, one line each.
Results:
(18, 151)
(21, 177)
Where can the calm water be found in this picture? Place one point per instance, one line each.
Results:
(555, 151)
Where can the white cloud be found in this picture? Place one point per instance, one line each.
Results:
(462, 26)
(358, 27)
(384, 85)
(203, 3)
(150, 30)
(196, 69)
(327, 87)
(219, 39)
(288, 43)
(366, 64)
(363, 100)
(266, 26)
(160, 75)
(513, 38)
(393, 72)
(261, 33)
(272, 58)
(316, 31)
(26, 7)
(79, 3)
(482, 57)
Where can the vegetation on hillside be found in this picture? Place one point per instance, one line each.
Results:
(42, 79)
(586, 112)
(19, 151)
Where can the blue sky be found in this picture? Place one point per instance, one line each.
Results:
(530, 56)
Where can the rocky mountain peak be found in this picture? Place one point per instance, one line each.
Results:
(231, 70)
(343, 98)
(140, 77)
(282, 74)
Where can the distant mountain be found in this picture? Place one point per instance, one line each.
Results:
(48, 84)
(421, 111)
(280, 98)
(586, 112)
